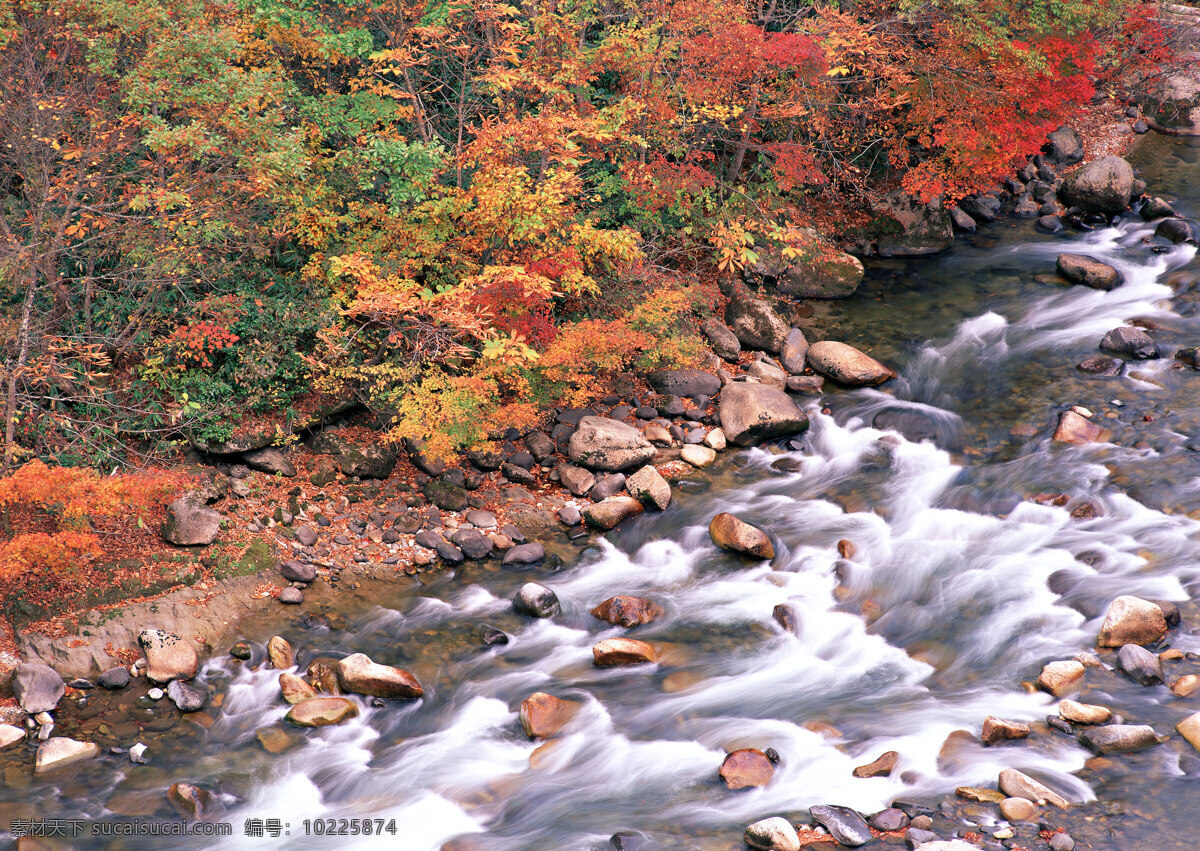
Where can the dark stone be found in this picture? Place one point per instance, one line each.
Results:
(1050, 224)
(522, 554)
(914, 837)
(445, 495)
(914, 425)
(891, 819)
(186, 696)
(1176, 230)
(524, 460)
(684, 382)
(1140, 664)
(609, 484)
(1063, 147)
(1131, 341)
(449, 553)
(298, 571)
(1170, 611)
(489, 636)
(518, 475)
(981, 208)
(484, 460)
(115, 678)
(843, 824)
(1103, 367)
(513, 533)
(962, 221)
(473, 543)
(428, 539)
(787, 617)
(536, 600)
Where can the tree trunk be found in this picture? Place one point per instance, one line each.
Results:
(10, 426)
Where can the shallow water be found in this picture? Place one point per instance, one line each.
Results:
(953, 563)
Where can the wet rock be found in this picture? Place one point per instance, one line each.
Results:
(608, 513)
(192, 802)
(684, 382)
(623, 651)
(1186, 686)
(1127, 340)
(1015, 784)
(1088, 271)
(795, 350)
(998, 730)
(489, 636)
(517, 475)
(752, 413)
(570, 515)
(168, 656)
(812, 385)
(882, 766)
(536, 600)
(270, 460)
(10, 735)
(1189, 728)
(38, 688)
(543, 715)
(1140, 664)
(1103, 367)
(914, 425)
(772, 834)
(1118, 738)
(696, 455)
(847, 365)
(1132, 620)
(186, 696)
(1176, 231)
(730, 533)
(280, 654)
(291, 596)
(1050, 223)
(787, 617)
(61, 751)
(1060, 678)
(627, 611)
(322, 711)
(1171, 613)
(890, 820)
(357, 674)
(1083, 713)
(1018, 809)
(1075, 429)
(723, 341)
(294, 689)
(746, 769)
(114, 678)
(298, 571)
(754, 323)
(473, 543)
(1156, 208)
(575, 479)
(522, 554)
(1101, 186)
(916, 837)
(979, 794)
(274, 740)
(1062, 841)
(607, 484)
(604, 444)
(843, 824)
(649, 487)
(190, 523)
(322, 673)
(960, 220)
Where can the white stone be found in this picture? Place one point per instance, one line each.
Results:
(61, 751)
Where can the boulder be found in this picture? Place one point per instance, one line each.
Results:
(981, 208)
(322, 673)
(1101, 186)
(608, 513)
(1103, 367)
(696, 455)
(613, 652)
(445, 495)
(627, 611)
(684, 382)
(1063, 147)
(795, 350)
(1118, 738)
(754, 323)
(1060, 678)
(649, 487)
(61, 751)
(772, 834)
(1156, 208)
(294, 689)
(115, 678)
(811, 385)
(1131, 341)
(1132, 620)
(765, 372)
(960, 220)
(1076, 429)
(843, 824)
(1140, 664)
(1083, 713)
(724, 342)
(168, 656)
(322, 711)
(1018, 785)
(882, 766)
(746, 769)
(523, 554)
(730, 533)
(473, 543)
(536, 600)
(270, 460)
(366, 462)
(1172, 102)
(190, 523)
(357, 674)
(190, 801)
(1088, 271)
(38, 688)
(1189, 728)
(847, 365)
(1177, 231)
(1018, 809)
(813, 272)
(280, 654)
(575, 479)
(298, 571)
(605, 444)
(998, 730)
(544, 715)
(910, 228)
(10, 735)
(752, 413)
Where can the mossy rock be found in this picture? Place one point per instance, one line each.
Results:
(444, 495)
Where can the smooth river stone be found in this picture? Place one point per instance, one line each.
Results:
(627, 611)
(623, 651)
(1058, 678)
(730, 533)
(843, 824)
(1015, 784)
(998, 730)
(1189, 728)
(772, 834)
(746, 768)
(1132, 620)
(359, 675)
(61, 751)
(322, 711)
(1119, 738)
(847, 365)
(544, 715)
(880, 767)
(1083, 713)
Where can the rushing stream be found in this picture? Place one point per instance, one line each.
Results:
(960, 587)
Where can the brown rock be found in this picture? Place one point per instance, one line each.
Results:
(1132, 620)
(191, 801)
(623, 651)
(627, 611)
(847, 365)
(881, 767)
(544, 715)
(1059, 678)
(649, 487)
(846, 549)
(1186, 686)
(1083, 713)
(979, 794)
(322, 711)
(357, 674)
(1076, 429)
(787, 617)
(294, 689)
(323, 675)
(1017, 785)
(1189, 728)
(998, 730)
(1018, 809)
(746, 768)
(730, 533)
(274, 740)
(1086, 270)
(608, 513)
(280, 653)
(168, 656)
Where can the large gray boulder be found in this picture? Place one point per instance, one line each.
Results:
(1173, 102)
(909, 228)
(190, 523)
(723, 341)
(1131, 341)
(752, 413)
(684, 382)
(605, 444)
(847, 365)
(1101, 186)
(1063, 147)
(270, 460)
(813, 273)
(754, 323)
(38, 688)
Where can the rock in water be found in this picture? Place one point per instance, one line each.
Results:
(1088, 271)
(1017, 785)
(1059, 678)
(627, 611)
(611, 512)
(168, 656)
(38, 688)
(1140, 664)
(322, 711)
(730, 533)
(61, 751)
(1101, 186)
(1189, 728)
(623, 651)
(115, 678)
(843, 824)
(294, 689)
(190, 523)
(772, 834)
(1083, 713)
(795, 350)
(696, 455)
(881, 767)
(847, 365)
(1018, 809)
(1076, 429)
(751, 413)
(523, 554)
(649, 487)
(605, 444)
(746, 768)
(192, 802)
(535, 600)
(1118, 738)
(544, 715)
(1132, 620)
(280, 654)
(10, 735)
(998, 730)
(186, 696)
(1130, 341)
(357, 674)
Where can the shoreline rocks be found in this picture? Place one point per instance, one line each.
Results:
(847, 365)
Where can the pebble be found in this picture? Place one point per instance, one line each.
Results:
(155, 694)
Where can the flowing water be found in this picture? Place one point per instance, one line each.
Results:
(959, 588)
